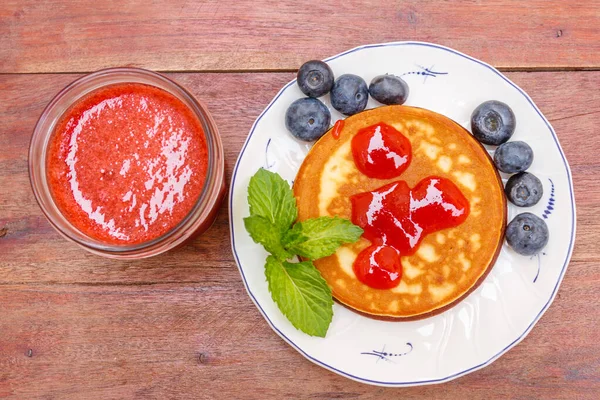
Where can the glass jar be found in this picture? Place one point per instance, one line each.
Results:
(202, 214)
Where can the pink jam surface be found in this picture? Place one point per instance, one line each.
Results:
(127, 163)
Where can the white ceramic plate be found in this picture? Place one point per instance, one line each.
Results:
(493, 318)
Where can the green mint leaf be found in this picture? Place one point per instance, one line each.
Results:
(264, 232)
(301, 294)
(271, 197)
(320, 237)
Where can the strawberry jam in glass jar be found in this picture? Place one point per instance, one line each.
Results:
(127, 164)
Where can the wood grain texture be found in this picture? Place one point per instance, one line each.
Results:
(35, 253)
(206, 340)
(181, 325)
(201, 35)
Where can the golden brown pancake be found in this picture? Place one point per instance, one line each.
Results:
(449, 263)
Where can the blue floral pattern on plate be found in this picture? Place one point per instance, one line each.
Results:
(386, 355)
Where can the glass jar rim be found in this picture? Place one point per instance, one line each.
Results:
(85, 85)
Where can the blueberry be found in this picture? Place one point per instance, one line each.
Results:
(524, 189)
(388, 89)
(493, 122)
(513, 157)
(307, 119)
(349, 94)
(315, 78)
(527, 234)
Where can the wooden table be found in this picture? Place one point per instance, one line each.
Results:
(77, 326)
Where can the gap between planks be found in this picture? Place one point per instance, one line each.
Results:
(288, 70)
(55, 284)
(203, 284)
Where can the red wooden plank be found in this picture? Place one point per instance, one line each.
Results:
(207, 341)
(33, 252)
(59, 36)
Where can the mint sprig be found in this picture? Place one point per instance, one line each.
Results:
(301, 294)
(297, 288)
(270, 196)
(264, 232)
(320, 237)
